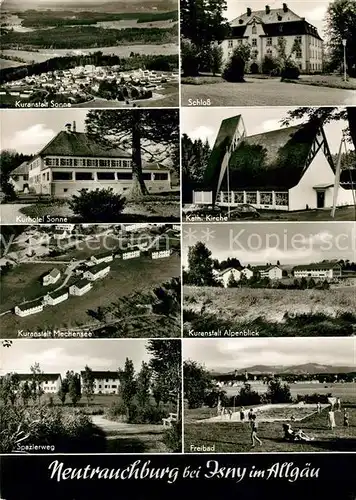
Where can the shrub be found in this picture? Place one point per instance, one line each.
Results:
(216, 59)
(190, 59)
(290, 71)
(235, 68)
(172, 437)
(270, 66)
(150, 414)
(117, 411)
(100, 205)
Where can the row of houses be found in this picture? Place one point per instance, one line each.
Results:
(97, 267)
(322, 270)
(105, 382)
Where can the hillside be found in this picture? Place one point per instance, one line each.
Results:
(307, 368)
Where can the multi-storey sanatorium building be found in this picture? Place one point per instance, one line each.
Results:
(73, 160)
(261, 29)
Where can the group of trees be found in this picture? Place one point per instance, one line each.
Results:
(200, 389)
(341, 25)
(81, 37)
(203, 26)
(9, 160)
(122, 91)
(195, 157)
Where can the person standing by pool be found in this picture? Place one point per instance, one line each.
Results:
(250, 414)
(331, 418)
(338, 404)
(242, 414)
(254, 430)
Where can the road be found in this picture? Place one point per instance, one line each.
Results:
(266, 93)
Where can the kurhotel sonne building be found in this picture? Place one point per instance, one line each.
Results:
(261, 29)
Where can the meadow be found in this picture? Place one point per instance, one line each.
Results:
(271, 312)
(234, 436)
(125, 278)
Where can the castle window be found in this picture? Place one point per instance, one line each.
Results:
(299, 38)
(269, 52)
(254, 54)
(298, 54)
(254, 42)
(254, 29)
(269, 41)
(239, 42)
(230, 44)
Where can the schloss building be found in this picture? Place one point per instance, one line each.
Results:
(261, 29)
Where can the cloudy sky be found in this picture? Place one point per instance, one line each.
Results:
(228, 354)
(290, 243)
(313, 10)
(204, 123)
(28, 131)
(58, 356)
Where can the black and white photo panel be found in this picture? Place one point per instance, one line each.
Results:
(64, 166)
(277, 395)
(83, 396)
(78, 281)
(247, 53)
(87, 54)
(268, 164)
(269, 280)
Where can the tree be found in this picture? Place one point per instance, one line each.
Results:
(149, 133)
(216, 59)
(37, 380)
(63, 390)
(128, 387)
(99, 205)
(325, 115)
(232, 283)
(288, 65)
(25, 393)
(143, 385)
(235, 67)
(74, 386)
(341, 24)
(247, 396)
(9, 160)
(202, 23)
(166, 366)
(9, 386)
(200, 265)
(197, 383)
(278, 392)
(88, 384)
(195, 157)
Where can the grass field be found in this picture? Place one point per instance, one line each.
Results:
(271, 312)
(24, 283)
(235, 436)
(125, 278)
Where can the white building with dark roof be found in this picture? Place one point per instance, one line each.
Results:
(33, 307)
(56, 297)
(292, 169)
(52, 277)
(80, 287)
(73, 160)
(321, 270)
(102, 257)
(271, 272)
(261, 29)
(225, 275)
(19, 177)
(50, 383)
(105, 382)
(97, 272)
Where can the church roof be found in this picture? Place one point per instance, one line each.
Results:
(79, 144)
(283, 155)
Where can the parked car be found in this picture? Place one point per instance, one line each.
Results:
(203, 210)
(244, 211)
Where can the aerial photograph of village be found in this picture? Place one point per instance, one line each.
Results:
(274, 163)
(89, 54)
(107, 396)
(90, 281)
(65, 166)
(269, 395)
(274, 280)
